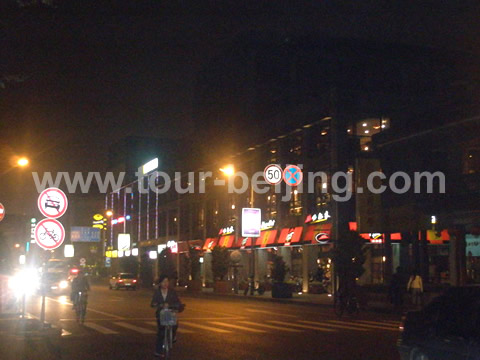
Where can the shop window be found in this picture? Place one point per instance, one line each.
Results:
(322, 197)
(272, 206)
(295, 202)
(472, 161)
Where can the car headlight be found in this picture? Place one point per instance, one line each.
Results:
(63, 284)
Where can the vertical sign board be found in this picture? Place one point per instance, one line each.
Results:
(123, 242)
(368, 205)
(2, 211)
(251, 222)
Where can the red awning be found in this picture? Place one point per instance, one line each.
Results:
(266, 238)
(375, 238)
(226, 241)
(209, 244)
(244, 243)
(318, 233)
(290, 235)
(437, 237)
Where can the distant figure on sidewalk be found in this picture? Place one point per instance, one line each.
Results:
(415, 286)
(396, 289)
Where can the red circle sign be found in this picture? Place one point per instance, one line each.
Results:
(2, 211)
(49, 234)
(292, 175)
(52, 203)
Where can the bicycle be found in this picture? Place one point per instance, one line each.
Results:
(345, 302)
(81, 306)
(168, 319)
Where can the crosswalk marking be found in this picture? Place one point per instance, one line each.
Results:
(337, 326)
(269, 312)
(179, 330)
(135, 328)
(381, 323)
(311, 327)
(204, 327)
(364, 325)
(269, 326)
(238, 327)
(100, 328)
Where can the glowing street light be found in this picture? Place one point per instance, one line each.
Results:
(109, 213)
(228, 170)
(22, 162)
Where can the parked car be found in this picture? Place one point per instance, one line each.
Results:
(123, 280)
(447, 328)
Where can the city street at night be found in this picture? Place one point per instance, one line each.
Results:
(121, 325)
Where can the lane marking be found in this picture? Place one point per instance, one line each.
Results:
(311, 327)
(380, 323)
(204, 327)
(362, 325)
(99, 328)
(88, 309)
(179, 330)
(134, 328)
(238, 327)
(273, 327)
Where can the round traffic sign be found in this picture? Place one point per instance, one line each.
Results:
(273, 174)
(2, 211)
(292, 175)
(52, 203)
(49, 234)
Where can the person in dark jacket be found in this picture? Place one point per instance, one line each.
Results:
(396, 289)
(164, 297)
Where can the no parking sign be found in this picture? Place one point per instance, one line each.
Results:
(52, 203)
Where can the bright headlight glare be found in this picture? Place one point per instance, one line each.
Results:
(63, 284)
(24, 282)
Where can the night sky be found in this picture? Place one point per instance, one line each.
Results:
(81, 76)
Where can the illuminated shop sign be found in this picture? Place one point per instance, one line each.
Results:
(319, 217)
(171, 244)
(266, 225)
(121, 220)
(226, 230)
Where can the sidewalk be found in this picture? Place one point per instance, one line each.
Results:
(27, 338)
(317, 300)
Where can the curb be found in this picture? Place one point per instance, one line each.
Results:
(375, 309)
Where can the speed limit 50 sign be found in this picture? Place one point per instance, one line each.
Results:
(273, 174)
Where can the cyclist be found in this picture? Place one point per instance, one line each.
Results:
(79, 284)
(164, 297)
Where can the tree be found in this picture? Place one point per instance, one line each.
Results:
(348, 258)
(194, 261)
(5, 255)
(279, 269)
(220, 262)
(166, 264)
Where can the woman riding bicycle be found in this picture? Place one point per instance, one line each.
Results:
(164, 298)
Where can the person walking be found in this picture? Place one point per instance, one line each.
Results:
(415, 286)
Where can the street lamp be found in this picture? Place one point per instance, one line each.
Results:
(228, 170)
(109, 213)
(22, 162)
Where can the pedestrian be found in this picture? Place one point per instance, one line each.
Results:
(415, 286)
(396, 289)
(164, 298)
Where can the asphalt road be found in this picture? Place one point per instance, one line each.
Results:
(121, 325)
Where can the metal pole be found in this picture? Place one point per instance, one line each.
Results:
(42, 289)
(252, 239)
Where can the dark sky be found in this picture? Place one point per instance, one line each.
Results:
(96, 71)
